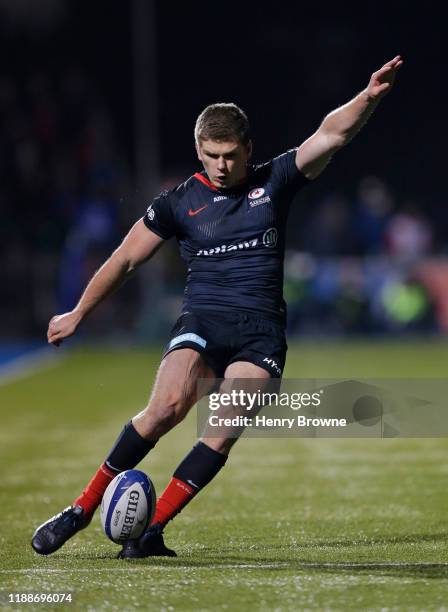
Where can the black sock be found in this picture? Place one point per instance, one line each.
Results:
(200, 465)
(129, 449)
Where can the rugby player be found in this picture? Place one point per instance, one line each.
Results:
(229, 221)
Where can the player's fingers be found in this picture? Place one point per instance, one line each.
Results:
(381, 73)
(53, 330)
(55, 340)
(396, 65)
(54, 334)
(60, 333)
(383, 87)
(52, 327)
(393, 61)
(384, 70)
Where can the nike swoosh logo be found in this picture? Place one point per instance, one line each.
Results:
(190, 482)
(192, 213)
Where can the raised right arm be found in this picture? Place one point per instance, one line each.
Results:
(137, 247)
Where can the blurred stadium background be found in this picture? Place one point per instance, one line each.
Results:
(97, 105)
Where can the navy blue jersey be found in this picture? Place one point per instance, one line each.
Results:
(232, 240)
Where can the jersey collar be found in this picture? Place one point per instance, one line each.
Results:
(203, 178)
(205, 181)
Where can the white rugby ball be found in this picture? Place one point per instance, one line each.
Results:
(127, 506)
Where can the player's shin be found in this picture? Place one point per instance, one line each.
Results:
(198, 468)
(129, 449)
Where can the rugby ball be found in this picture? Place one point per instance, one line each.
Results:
(127, 506)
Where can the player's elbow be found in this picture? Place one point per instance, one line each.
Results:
(338, 141)
(335, 140)
(123, 262)
(131, 266)
(334, 134)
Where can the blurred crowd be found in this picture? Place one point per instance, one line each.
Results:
(61, 172)
(65, 202)
(373, 224)
(370, 264)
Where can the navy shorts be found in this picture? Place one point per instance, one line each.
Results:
(225, 337)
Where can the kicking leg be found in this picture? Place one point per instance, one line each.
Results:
(173, 395)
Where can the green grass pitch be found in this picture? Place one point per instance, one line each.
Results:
(289, 524)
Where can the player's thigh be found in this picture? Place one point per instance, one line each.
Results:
(254, 375)
(175, 389)
(178, 377)
(245, 369)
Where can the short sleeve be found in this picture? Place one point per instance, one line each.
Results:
(159, 217)
(285, 171)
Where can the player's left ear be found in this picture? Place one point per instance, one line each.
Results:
(249, 149)
(198, 151)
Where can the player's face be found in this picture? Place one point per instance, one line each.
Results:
(224, 161)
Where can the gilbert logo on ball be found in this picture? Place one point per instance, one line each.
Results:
(127, 506)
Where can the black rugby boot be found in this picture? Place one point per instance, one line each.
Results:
(150, 544)
(55, 532)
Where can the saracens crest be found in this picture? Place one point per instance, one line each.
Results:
(256, 193)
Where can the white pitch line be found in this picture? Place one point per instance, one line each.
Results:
(28, 364)
(142, 567)
(231, 566)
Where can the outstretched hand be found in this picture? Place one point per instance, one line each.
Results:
(382, 80)
(62, 326)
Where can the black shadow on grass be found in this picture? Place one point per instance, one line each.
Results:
(346, 543)
(300, 566)
(408, 538)
(213, 560)
(228, 552)
(261, 556)
(408, 570)
(394, 570)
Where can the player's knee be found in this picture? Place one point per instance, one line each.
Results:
(163, 415)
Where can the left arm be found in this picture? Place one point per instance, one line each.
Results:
(341, 125)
